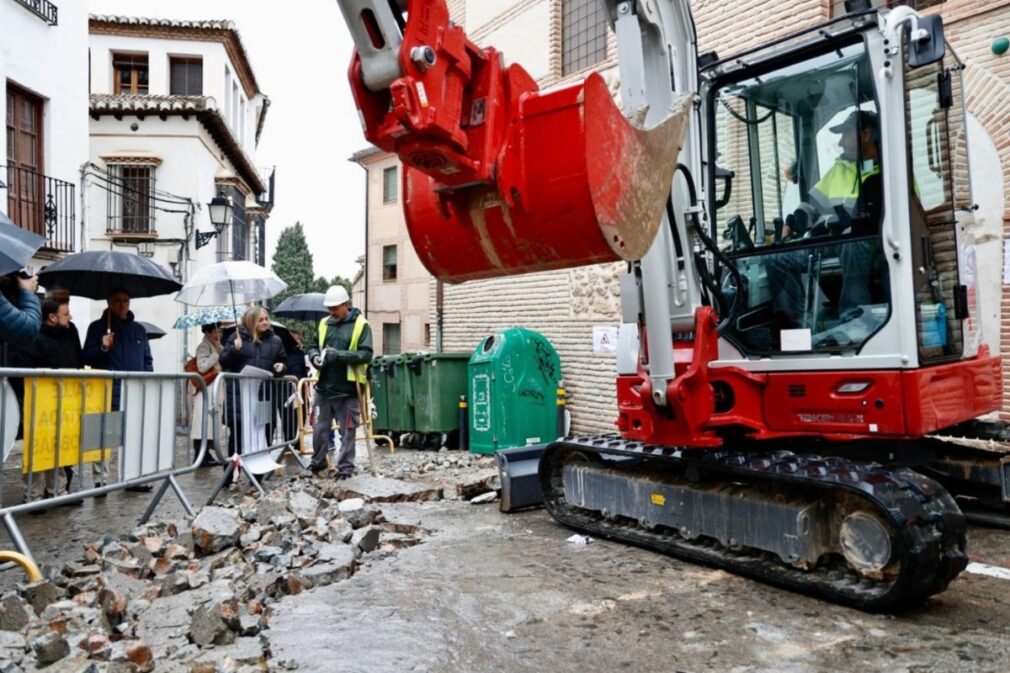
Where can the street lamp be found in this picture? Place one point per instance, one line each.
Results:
(220, 208)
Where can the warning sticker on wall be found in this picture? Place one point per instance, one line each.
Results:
(604, 339)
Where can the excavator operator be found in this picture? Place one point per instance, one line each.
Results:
(847, 200)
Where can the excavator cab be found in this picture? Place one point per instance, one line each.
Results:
(805, 204)
(825, 200)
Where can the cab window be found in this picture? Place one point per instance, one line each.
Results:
(800, 205)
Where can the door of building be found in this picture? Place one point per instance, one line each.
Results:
(25, 181)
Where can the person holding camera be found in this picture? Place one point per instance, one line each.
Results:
(20, 311)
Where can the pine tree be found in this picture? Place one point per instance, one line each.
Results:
(320, 284)
(293, 263)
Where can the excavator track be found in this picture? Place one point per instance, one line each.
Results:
(905, 539)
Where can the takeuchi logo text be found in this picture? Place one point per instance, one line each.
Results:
(831, 418)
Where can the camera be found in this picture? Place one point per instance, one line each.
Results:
(25, 274)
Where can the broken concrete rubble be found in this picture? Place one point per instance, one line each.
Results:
(197, 595)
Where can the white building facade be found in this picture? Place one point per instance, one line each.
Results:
(175, 119)
(44, 73)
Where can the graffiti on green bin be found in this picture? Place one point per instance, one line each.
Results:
(481, 405)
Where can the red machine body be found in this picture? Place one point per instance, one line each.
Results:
(837, 405)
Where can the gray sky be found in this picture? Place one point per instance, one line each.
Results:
(299, 52)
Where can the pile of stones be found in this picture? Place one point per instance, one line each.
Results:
(193, 596)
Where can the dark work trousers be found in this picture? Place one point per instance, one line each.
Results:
(347, 412)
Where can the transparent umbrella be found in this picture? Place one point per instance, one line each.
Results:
(230, 283)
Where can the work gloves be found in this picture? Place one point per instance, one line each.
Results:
(326, 357)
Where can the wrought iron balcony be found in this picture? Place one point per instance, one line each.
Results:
(43, 9)
(42, 204)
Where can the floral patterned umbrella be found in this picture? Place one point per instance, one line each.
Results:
(209, 314)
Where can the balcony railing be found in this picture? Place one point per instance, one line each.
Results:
(43, 9)
(43, 205)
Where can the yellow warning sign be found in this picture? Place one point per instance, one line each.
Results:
(45, 414)
(658, 499)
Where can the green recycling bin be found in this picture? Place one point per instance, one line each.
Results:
(438, 380)
(400, 394)
(513, 381)
(377, 377)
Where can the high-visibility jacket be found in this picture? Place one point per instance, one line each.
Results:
(841, 186)
(355, 373)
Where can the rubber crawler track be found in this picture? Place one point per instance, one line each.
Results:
(928, 528)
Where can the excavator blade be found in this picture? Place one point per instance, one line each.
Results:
(576, 184)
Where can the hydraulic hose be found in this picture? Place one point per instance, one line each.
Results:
(711, 246)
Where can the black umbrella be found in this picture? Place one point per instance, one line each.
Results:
(280, 330)
(17, 245)
(307, 306)
(96, 273)
(153, 331)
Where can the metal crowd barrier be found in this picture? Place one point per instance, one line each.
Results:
(74, 418)
(306, 402)
(307, 396)
(254, 413)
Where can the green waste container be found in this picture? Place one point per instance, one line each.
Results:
(513, 381)
(400, 394)
(378, 377)
(438, 381)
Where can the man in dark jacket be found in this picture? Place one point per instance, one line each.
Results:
(118, 343)
(342, 351)
(58, 346)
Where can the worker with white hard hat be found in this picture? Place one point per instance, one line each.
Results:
(341, 353)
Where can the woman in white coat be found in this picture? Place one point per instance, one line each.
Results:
(207, 354)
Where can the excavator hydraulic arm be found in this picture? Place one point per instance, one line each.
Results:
(499, 177)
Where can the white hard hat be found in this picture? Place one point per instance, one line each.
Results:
(335, 296)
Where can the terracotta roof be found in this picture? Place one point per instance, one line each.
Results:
(154, 104)
(203, 108)
(209, 31)
(172, 23)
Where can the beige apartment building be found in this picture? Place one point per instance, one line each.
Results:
(393, 289)
(559, 41)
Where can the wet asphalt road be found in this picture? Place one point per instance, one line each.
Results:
(493, 592)
(490, 592)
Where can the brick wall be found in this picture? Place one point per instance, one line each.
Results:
(563, 306)
(971, 26)
(730, 26)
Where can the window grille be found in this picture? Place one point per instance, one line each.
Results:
(583, 35)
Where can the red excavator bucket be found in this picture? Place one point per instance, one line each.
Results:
(503, 179)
